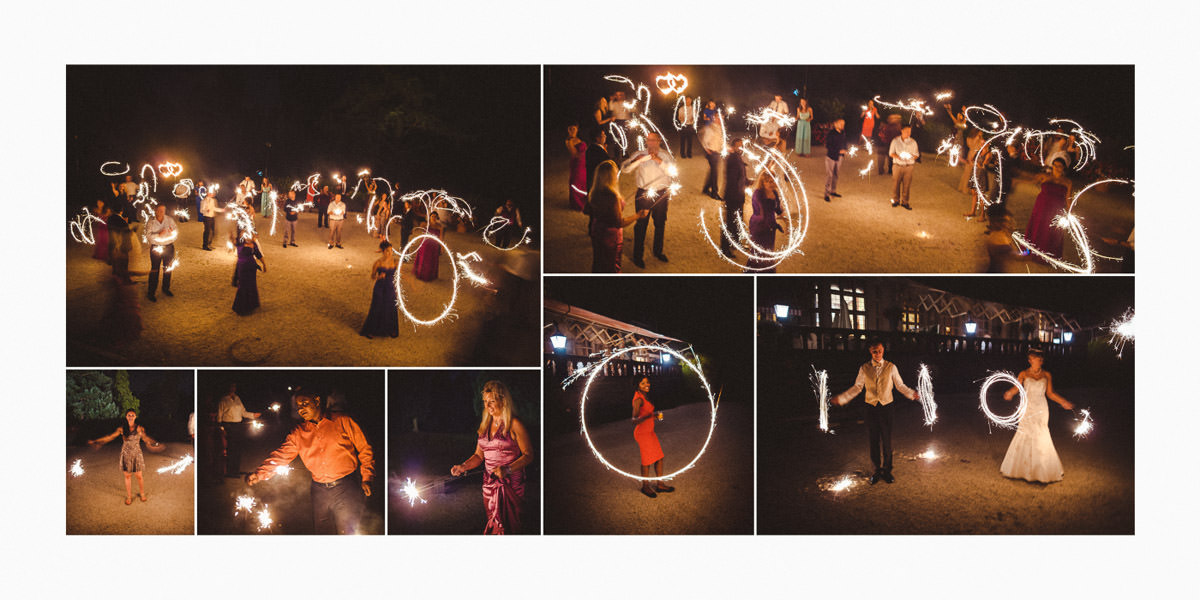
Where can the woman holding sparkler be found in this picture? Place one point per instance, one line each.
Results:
(1031, 455)
(132, 461)
(383, 212)
(249, 261)
(763, 225)
(965, 185)
(606, 205)
(382, 318)
(1051, 201)
(804, 116)
(425, 265)
(644, 416)
(503, 448)
(577, 191)
(869, 115)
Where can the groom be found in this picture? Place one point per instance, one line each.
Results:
(879, 377)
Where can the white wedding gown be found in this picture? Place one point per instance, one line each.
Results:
(1031, 454)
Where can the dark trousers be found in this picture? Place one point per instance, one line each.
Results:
(686, 136)
(714, 165)
(658, 212)
(234, 437)
(883, 162)
(210, 230)
(879, 427)
(322, 217)
(338, 506)
(165, 258)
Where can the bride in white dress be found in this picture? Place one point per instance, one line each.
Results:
(1031, 454)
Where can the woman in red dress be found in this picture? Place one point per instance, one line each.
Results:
(652, 454)
(1051, 202)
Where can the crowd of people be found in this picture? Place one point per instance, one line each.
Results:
(896, 137)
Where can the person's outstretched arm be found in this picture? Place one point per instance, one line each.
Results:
(106, 439)
(908, 392)
(1050, 393)
(282, 455)
(859, 383)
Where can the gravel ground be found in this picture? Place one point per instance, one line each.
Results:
(932, 238)
(714, 497)
(959, 492)
(96, 499)
(314, 300)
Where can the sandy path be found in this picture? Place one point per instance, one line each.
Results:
(96, 499)
(858, 233)
(313, 302)
(714, 497)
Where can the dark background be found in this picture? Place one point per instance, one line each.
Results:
(166, 398)
(417, 126)
(1099, 97)
(432, 421)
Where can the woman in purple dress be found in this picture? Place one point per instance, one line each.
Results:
(763, 226)
(504, 450)
(425, 265)
(249, 261)
(382, 318)
(100, 231)
(1041, 232)
(577, 192)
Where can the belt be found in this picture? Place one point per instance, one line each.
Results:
(332, 484)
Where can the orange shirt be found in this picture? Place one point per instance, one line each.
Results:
(331, 449)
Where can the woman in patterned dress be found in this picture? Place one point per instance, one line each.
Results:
(132, 462)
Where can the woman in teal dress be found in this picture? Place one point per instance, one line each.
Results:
(804, 115)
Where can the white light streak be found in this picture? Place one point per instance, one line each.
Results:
(1084, 424)
(1010, 421)
(1123, 331)
(104, 171)
(671, 83)
(498, 223)
(411, 492)
(925, 393)
(178, 466)
(820, 387)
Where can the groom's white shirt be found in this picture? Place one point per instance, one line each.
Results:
(878, 379)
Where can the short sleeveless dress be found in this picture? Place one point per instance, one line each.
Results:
(132, 460)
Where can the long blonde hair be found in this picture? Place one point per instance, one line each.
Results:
(605, 179)
(506, 412)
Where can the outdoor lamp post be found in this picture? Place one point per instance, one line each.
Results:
(1067, 336)
(558, 340)
(970, 326)
(781, 311)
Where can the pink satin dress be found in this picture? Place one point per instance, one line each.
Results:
(502, 497)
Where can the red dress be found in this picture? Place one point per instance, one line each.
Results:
(644, 434)
(1041, 231)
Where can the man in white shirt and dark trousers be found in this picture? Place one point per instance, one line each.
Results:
(209, 210)
(653, 193)
(161, 232)
(230, 416)
(904, 154)
(878, 377)
(337, 217)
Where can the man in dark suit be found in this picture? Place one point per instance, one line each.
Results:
(322, 201)
(596, 153)
(735, 193)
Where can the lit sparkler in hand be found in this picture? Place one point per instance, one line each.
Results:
(1068, 221)
(77, 467)
(820, 386)
(283, 470)
(925, 395)
(264, 518)
(1010, 421)
(178, 466)
(411, 492)
(1122, 331)
(244, 503)
(275, 407)
(1084, 424)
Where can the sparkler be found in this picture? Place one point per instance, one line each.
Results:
(170, 169)
(674, 83)
(283, 470)
(867, 170)
(912, 105)
(1068, 221)
(598, 367)
(792, 199)
(767, 115)
(1084, 424)
(495, 225)
(246, 503)
(943, 96)
(264, 518)
(404, 253)
(81, 227)
(182, 213)
(275, 407)
(820, 386)
(467, 272)
(929, 454)
(925, 394)
(837, 484)
(411, 492)
(1122, 330)
(178, 466)
(256, 425)
(77, 467)
(1010, 421)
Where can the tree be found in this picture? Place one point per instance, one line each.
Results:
(89, 395)
(123, 396)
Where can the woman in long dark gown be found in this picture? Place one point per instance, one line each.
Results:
(425, 265)
(763, 225)
(248, 264)
(1051, 201)
(100, 231)
(382, 318)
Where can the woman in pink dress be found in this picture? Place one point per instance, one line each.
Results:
(1041, 232)
(577, 192)
(504, 450)
(425, 265)
(100, 231)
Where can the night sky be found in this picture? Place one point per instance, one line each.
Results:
(1100, 97)
(715, 314)
(418, 126)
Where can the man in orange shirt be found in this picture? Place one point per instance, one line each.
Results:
(334, 449)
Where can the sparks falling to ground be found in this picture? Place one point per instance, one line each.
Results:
(820, 387)
(837, 484)
(925, 392)
(178, 466)
(77, 467)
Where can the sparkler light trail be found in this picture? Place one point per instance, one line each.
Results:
(820, 387)
(77, 467)
(766, 115)
(104, 171)
(178, 466)
(792, 199)
(867, 170)
(925, 392)
(1068, 221)
(472, 276)
(644, 125)
(1122, 331)
(81, 227)
(1084, 424)
(943, 96)
(912, 105)
(929, 454)
(405, 252)
(495, 225)
(1010, 421)
(595, 369)
(170, 169)
(671, 83)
